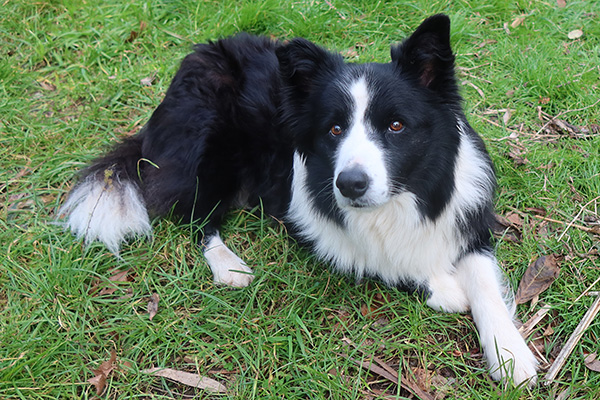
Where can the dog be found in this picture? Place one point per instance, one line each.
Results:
(372, 166)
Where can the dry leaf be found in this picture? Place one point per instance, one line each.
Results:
(544, 100)
(576, 34)
(592, 362)
(515, 219)
(153, 305)
(518, 21)
(147, 81)
(134, 34)
(350, 53)
(538, 277)
(561, 3)
(47, 86)
(504, 229)
(100, 374)
(189, 379)
(99, 382)
(118, 276)
(377, 307)
(536, 210)
(517, 157)
(506, 116)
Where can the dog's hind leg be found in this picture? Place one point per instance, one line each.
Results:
(506, 352)
(202, 202)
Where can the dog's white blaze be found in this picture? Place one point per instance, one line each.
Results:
(106, 211)
(358, 150)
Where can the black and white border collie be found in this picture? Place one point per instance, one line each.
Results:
(372, 166)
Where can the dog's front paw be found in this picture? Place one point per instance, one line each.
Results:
(512, 361)
(227, 268)
(239, 275)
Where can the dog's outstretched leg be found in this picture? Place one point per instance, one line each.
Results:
(227, 268)
(506, 352)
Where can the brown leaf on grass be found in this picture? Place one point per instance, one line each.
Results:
(101, 288)
(536, 210)
(537, 278)
(188, 379)
(376, 308)
(147, 81)
(423, 378)
(102, 372)
(515, 220)
(503, 228)
(517, 21)
(134, 34)
(46, 85)
(592, 362)
(350, 53)
(561, 3)
(153, 305)
(118, 276)
(517, 153)
(20, 201)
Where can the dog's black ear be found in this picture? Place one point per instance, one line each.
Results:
(302, 64)
(427, 56)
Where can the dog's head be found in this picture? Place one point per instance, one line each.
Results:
(368, 132)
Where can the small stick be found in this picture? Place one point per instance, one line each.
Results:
(528, 326)
(379, 361)
(583, 228)
(586, 291)
(570, 345)
(577, 216)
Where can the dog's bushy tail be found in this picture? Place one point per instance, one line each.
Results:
(108, 204)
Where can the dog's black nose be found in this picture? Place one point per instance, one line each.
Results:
(352, 182)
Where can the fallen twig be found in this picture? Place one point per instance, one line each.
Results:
(385, 371)
(379, 361)
(577, 216)
(586, 291)
(528, 326)
(587, 229)
(554, 119)
(370, 366)
(514, 133)
(570, 345)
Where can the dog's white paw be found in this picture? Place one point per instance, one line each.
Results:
(512, 361)
(239, 275)
(227, 268)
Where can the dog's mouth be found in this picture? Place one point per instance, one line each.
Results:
(363, 203)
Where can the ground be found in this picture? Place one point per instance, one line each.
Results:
(77, 76)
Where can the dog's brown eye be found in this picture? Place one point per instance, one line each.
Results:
(396, 126)
(336, 130)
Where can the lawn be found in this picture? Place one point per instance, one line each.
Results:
(76, 76)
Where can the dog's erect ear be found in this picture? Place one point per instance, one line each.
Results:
(427, 55)
(301, 63)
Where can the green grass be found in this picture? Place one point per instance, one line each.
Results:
(70, 87)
